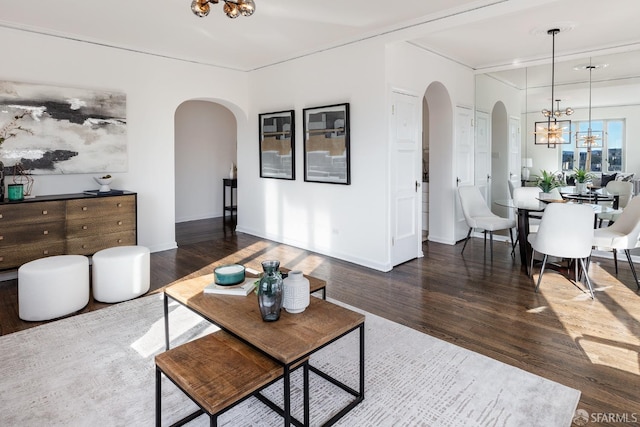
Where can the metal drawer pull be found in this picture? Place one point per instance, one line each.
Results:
(119, 205)
(1, 237)
(45, 212)
(84, 246)
(1, 258)
(45, 252)
(119, 240)
(84, 208)
(84, 227)
(119, 222)
(0, 216)
(45, 232)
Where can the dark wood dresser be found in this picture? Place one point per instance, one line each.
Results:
(77, 224)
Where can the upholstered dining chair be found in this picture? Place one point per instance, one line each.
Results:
(513, 184)
(624, 191)
(565, 231)
(622, 235)
(523, 197)
(478, 215)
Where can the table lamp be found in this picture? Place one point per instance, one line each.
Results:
(528, 163)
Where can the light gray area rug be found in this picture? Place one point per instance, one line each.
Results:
(98, 369)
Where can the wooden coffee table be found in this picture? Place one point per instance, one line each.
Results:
(288, 341)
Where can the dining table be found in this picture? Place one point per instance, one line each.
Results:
(525, 208)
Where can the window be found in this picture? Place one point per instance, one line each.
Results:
(607, 158)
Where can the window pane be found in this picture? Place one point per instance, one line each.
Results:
(596, 159)
(614, 144)
(567, 160)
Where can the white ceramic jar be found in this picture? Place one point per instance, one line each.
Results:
(295, 292)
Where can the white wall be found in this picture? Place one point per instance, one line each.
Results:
(349, 222)
(413, 69)
(205, 148)
(344, 221)
(154, 86)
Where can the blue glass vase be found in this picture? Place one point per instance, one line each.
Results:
(270, 291)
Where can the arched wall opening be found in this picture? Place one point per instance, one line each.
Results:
(438, 123)
(205, 149)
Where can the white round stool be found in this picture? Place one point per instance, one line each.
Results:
(120, 273)
(53, 287)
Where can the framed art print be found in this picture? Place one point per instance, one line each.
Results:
(326, 144)
(277, 145)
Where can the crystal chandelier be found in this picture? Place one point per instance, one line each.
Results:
(589, 139)
(232, 9)
(552, 131)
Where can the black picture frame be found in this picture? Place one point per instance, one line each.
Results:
(277, 145)
(327, 157)
(540, 134)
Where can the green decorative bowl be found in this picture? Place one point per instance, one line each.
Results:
(228, 275)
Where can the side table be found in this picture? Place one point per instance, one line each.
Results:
(232, 207)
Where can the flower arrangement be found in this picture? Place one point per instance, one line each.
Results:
(547, 181)
(12, 128)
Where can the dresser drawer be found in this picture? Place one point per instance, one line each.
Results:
(84, 227)
(32, 212)
(100, 207)
(15, 256)
(17, 233)
(92, 244)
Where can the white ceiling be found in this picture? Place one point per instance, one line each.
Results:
(493, 36)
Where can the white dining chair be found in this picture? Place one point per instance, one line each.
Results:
(622, 235)
(523, 198)
(478, 215)
(513, 184)
(624, 191)
(565, 231)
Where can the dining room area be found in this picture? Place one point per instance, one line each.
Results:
(560, 132)
(611, 224)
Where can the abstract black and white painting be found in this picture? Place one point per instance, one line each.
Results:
(61, 130)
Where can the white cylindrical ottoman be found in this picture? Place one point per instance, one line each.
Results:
(120, 273)
(53, 287)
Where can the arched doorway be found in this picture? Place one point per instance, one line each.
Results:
(204, 150)
(438, 137)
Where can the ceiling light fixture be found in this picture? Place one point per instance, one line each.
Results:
(589, 139)
(558, 112)
(232, 9)
(554, 131)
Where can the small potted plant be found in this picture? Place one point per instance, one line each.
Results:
(582, 179)
(547, 181)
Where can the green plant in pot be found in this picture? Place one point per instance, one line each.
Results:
(582, 178)
(547, 181)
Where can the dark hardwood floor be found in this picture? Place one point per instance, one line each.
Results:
(488, 307)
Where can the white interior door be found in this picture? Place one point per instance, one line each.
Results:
(406, 178)
(483, 154)
(463, 161)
